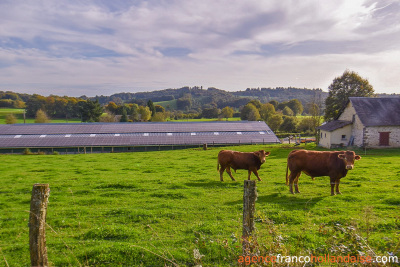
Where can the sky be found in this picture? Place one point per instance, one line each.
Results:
(74, 48)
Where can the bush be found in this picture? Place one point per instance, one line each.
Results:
(27, 151)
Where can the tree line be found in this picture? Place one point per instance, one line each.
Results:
(280, 116)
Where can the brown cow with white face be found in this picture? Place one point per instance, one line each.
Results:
(250, 161)
(334, 164)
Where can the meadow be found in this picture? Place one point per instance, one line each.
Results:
(19, 114)
(168, 208)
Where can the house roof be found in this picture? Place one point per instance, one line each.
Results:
(377, 111)
(135, 134)
(334, 125)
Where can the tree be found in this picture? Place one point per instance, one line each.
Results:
(289, 124)
(41, 117)
(256, 103)
(275, 121)
(134, 112)
(112, 107)
(250, 113)
(209, 113)
(274, 103)
(306, 125)
(144, 113)
(266, 111)
(124, 117)
(151, 106)
(10, 119)
(184, 103)
(159, 116)
(91, 111)
(296, 106)
(107, 117)
(348, 85)
(287, 111)
(34, 103)
(159, 108)
(227, 112)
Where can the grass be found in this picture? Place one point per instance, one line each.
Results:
(19, 114)
(154, 208)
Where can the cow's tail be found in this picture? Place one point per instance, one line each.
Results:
(287, 168)
(218, 165)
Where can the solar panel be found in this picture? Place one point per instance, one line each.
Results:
(133, 134)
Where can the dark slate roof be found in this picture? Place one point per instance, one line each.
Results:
(377, 111)
(333, 125)
(135, 134)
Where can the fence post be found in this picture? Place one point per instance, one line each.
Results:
(37, 224)
(249, 205)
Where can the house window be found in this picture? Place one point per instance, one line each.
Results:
(343, 137)
(354, 118)
(321, 135)
(384, 138)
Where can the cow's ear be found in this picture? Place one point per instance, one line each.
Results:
(257, 153)
(267, 153)
(357, 157)
(341, 156)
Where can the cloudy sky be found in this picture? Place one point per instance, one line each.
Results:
(71, 47)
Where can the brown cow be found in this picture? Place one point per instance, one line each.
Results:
(334, 164)
(250, 161)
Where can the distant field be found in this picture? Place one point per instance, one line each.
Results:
(168, 105)
(154, 208)
(19, 114)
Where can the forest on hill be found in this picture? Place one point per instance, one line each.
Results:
(196, 97)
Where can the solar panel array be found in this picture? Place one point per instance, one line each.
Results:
(134, 134)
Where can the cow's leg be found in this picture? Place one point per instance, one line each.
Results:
(228, 170)
(333, 182)
(221, 173)
(296, 183)
(337, 186)
(256, 173)
(292, 177)
(249, 174)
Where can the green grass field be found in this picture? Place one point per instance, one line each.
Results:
(19, 114)
(154, 208)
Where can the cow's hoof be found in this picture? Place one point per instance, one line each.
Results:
(333, 194)
(297, 192)
(339, 193)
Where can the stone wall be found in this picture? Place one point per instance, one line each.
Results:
(372, 136)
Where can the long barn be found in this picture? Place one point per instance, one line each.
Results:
(124, 137)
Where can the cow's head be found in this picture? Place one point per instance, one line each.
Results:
(262, 154)
(349, 157)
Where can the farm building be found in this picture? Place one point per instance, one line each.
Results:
(364, 122)
(124, 137)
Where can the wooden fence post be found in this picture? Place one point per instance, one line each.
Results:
(249, 206)
(37, 224)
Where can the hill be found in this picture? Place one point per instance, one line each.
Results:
(197, 97)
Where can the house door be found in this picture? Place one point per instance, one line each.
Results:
(384, 138)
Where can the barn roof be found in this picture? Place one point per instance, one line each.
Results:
(135, 134)
(334, 125)
(377, 111)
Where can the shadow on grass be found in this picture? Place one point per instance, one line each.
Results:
(285, 201)
(215, 184)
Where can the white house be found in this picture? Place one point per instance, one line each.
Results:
(364, 122)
